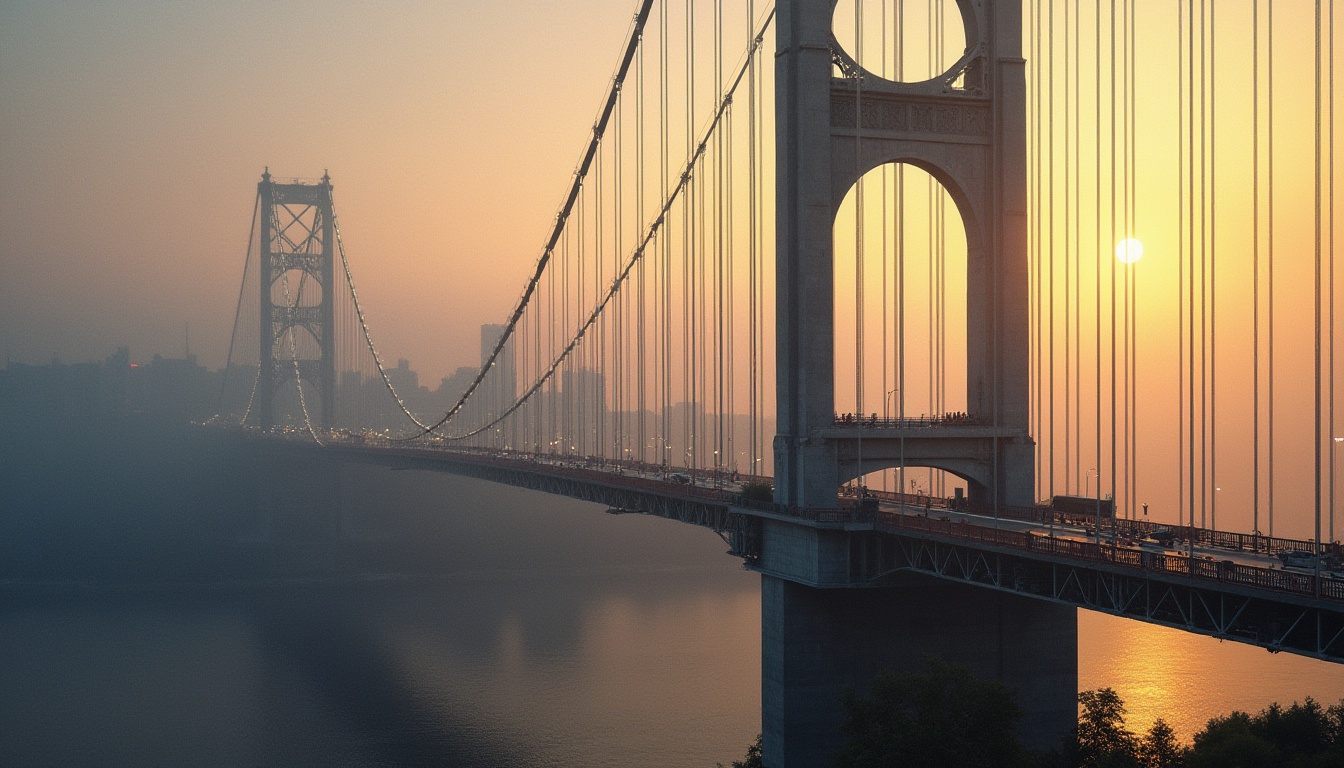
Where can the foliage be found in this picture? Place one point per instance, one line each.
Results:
(757, 491)
(1304, 735)
(947, 717)
(1159, 748)
(941, 717)
(1103, 739)
(753, 758)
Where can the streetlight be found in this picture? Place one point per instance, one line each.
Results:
(1334, 449)
(886, 408)
(1087, 492)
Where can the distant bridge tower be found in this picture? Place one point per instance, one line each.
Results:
(820, 634)
(297, 290)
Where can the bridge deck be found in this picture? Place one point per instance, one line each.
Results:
(1222, 584)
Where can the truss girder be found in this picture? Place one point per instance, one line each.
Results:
(1309, 628)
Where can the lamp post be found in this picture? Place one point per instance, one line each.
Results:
(1087, 481)
(886, 403)
(1334, 450)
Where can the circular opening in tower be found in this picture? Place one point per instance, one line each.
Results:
(900, 288)
(909, 42)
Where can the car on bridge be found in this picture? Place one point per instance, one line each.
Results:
(1297, 558)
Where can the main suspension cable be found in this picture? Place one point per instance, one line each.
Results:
(364, 326)
(654, 228)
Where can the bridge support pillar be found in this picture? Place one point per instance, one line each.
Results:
(816, 644)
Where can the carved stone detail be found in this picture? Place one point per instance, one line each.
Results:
(911, 117)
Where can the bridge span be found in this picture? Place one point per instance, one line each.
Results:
(638, 336)
(1227, 585)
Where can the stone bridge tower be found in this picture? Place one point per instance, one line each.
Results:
(967, 129)
(835, 607)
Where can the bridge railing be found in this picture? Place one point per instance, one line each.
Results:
(1200, 567)
(910, 422)
(1125, 529)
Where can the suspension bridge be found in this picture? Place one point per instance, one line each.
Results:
(926, 225)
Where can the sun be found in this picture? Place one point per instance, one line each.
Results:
(1129, 250)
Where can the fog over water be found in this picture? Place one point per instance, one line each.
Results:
(147, 616)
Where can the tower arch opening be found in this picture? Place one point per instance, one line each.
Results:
(910, 484)
(900, 291)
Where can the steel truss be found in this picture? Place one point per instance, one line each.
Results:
(1273, 621)
(296, 236)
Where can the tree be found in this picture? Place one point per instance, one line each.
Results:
(1158, 748)
(942, 717)
(1103, 739)
(1304, 735)
(753, 758)
(1230, 742)
(757, 491)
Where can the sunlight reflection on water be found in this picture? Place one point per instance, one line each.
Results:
(1186, 679)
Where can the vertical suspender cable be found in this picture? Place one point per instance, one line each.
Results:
(858, 214)
(1182, 252)
(1330, 324)
(730, 455)
(1316, 363)
(1077, 197)
(753, 330)
(719, 213)
(1213, 263)
(1134, 191)
(238, 312)
(1190, 253)
(1255, 268)
(1269, 130)
(900, 257)
(1203, 266)
(1097, 250)
(665, 242)
(618, 358)
(687, 269)
(1068, 259)
(885, 73)
(1049, 164)
(1111, 118)
(1035, 236)
(641, 333)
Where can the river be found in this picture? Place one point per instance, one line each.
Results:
(500, 627)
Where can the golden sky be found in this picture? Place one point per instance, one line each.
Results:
(132, 136)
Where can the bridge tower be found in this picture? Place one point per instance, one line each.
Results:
(967, 129)
(821, 635)
(297, 291)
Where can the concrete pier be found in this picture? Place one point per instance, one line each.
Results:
(816, 644)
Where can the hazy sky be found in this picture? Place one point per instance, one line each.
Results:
(132, 136)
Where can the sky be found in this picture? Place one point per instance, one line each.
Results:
(133, 134)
